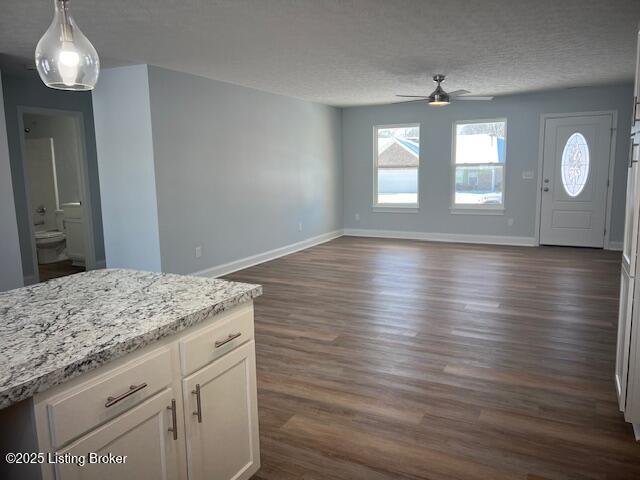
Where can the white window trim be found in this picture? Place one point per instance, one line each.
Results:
(393, 207)
(473, 209)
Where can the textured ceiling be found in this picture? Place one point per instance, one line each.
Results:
(354, 52)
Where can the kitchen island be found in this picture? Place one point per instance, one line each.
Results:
(156, 367)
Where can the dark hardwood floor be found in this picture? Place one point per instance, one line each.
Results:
(49, 271)
(388, 359)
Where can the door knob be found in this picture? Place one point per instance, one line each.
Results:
(545, 189)
(546, 180)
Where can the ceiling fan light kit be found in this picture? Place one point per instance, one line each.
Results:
(439, 98)
(65, 58)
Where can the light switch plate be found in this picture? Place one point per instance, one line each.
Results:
(527, 174)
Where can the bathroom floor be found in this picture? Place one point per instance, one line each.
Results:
(58, 269)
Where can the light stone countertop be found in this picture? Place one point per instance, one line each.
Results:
(53, 331)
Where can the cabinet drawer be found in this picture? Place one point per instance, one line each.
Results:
(211, 342)
(86, 406)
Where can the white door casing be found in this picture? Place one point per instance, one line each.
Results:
(574, 207)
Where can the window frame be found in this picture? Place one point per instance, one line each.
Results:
(477, 209)
(394, 207)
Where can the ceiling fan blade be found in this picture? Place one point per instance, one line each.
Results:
(457, 93)
(413, 96)
(468, 97)
(411, 101)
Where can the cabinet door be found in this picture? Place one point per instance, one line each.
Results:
(632, 401)
(632, 210)
(624, 333)
(222, 441)
(143, 435)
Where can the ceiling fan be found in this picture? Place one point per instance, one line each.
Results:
(440, 98)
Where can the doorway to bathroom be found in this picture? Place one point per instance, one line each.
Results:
(54, 161)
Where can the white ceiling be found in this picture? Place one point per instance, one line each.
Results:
(354, 52)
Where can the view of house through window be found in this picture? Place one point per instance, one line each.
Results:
(397, 159)
(479, 163)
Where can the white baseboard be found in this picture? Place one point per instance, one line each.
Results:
(247, 262)
(444, 237)
(617, 246)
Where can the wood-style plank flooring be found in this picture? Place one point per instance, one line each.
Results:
(49, 271)
(389, 359)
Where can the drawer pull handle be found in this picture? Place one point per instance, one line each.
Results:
(132, 389)
(174, 419)
(232, 336)
(198, 412)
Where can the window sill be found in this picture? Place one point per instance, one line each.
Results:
(395, 209)
(476, 211)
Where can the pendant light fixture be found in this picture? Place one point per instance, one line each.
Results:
(65, 58)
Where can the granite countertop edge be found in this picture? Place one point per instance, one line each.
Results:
(37, 384)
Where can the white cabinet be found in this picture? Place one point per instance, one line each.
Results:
(222, 418)
(146, 434)
(624, 335)
(627, 374)
(635, 123)
(134, 407)
(632, 211)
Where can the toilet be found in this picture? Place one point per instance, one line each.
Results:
(51, 246)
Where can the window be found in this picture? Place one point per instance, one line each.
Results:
(574, 167)
(479, 157)
(396, 163)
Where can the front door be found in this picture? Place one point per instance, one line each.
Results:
(575, 177)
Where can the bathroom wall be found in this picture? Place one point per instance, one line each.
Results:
(29, 91)
(11, 270)
(523, 135)
(64, 131)
(42, 182)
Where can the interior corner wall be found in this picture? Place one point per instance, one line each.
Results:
(240, 172)
(126, 166)
(523, 113)
(29, 91)
(11, 271)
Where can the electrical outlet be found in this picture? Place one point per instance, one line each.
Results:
(299, 226)
(357, 215)
(510, 222)
(198, 251)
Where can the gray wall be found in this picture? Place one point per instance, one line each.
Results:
(31, 92)
(11, 270)
(523, 130)
(126, 163)
(237, 170)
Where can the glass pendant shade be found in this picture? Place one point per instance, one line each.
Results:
(65, 58)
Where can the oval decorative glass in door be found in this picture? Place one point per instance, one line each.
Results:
(574, 167)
